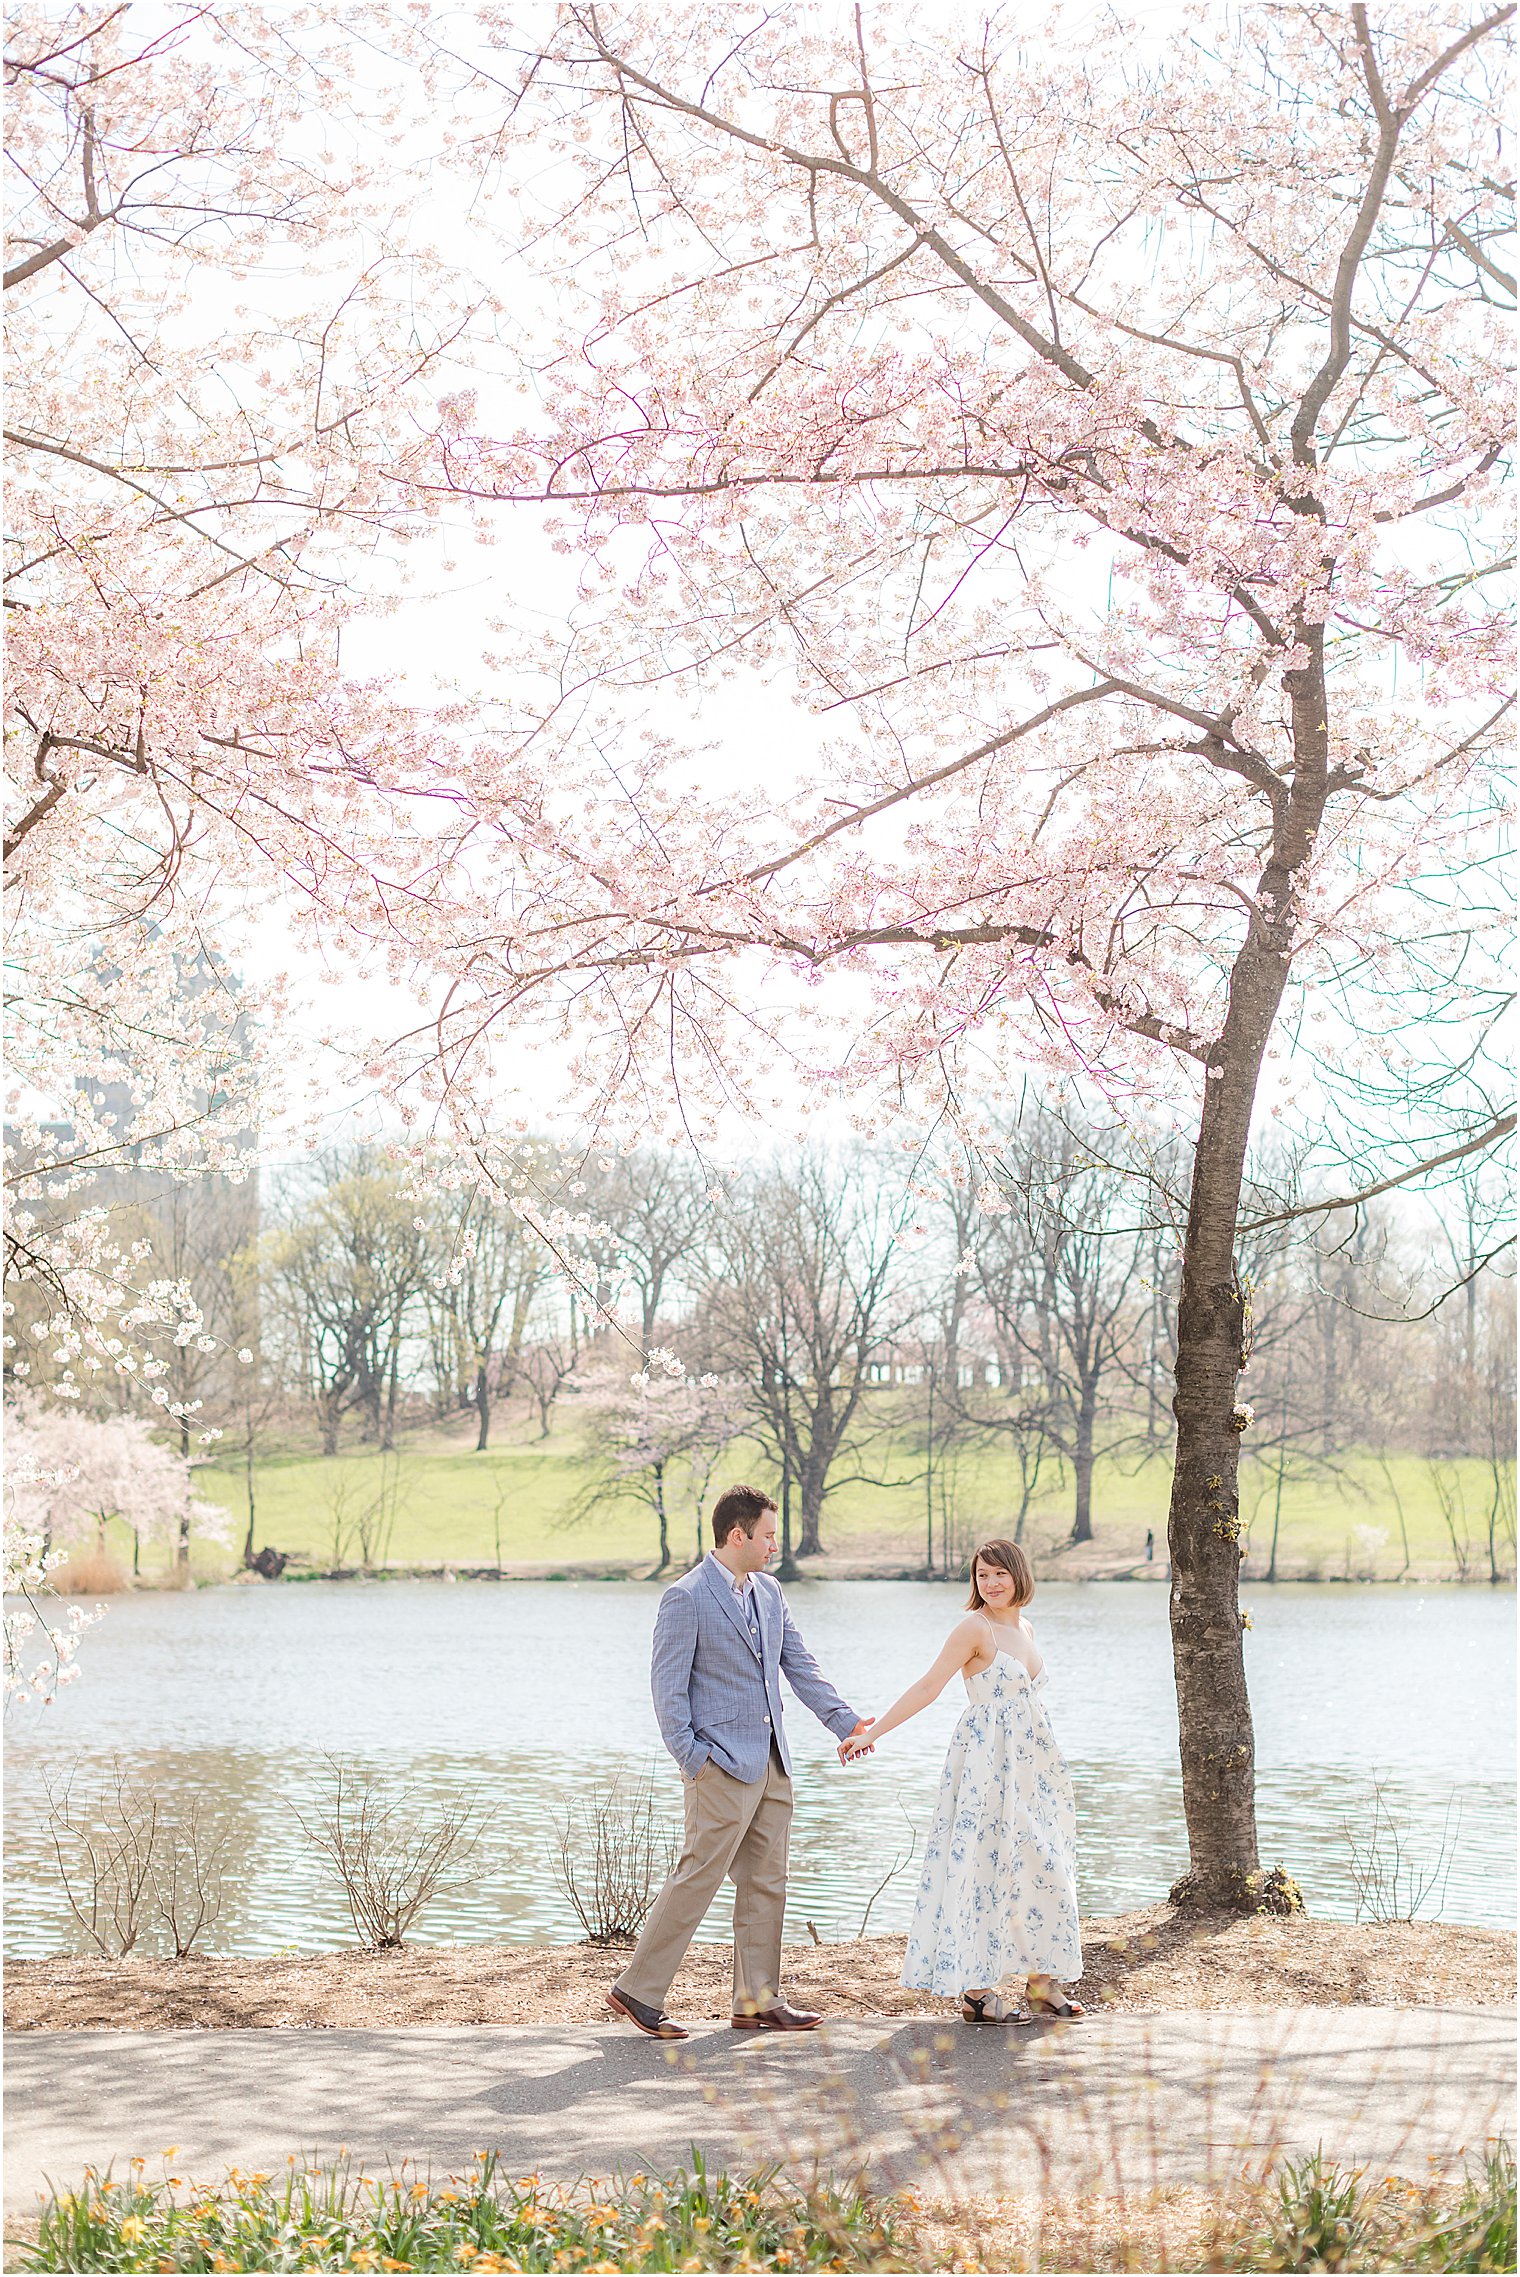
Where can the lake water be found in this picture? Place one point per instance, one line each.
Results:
(537, 1692)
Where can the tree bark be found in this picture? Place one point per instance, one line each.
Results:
(1082, 1462)
(248, 1484)
(811, 1478)
(392, 1391)
(1213, 1335)
(182, 1542)
(482, 1405)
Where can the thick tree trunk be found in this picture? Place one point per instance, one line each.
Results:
(248, 1488)
(810, 1485)
(511, 1358)
(392, 1390)
(1082, 1464)
(1213, 1710)
(482, 1404)
(660, 1512)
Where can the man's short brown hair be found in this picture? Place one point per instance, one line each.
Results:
(738, 1506)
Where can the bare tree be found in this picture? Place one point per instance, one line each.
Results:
(350, 1268)
(381, 1504)
(656, 1208)
(550, 1357)
(807, 1286)
(491, 1270)
(253, 1404)
(186, 1868)
(1393, 1880)
(1059, 1267)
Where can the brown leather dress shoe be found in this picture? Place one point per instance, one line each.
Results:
(654, 2021)
(778, 2018)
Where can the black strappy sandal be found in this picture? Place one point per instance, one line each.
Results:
(974, 2008)
(1041, 2004)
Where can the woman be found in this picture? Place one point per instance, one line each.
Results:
(998, 1894)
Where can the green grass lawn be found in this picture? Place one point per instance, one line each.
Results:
(518, 1501)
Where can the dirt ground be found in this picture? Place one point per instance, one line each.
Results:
(1153, 1960)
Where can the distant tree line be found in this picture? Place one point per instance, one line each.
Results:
(850, 1314)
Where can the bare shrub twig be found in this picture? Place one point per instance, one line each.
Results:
(611, 1854)
(185, 1869)
(391, 1857)
(1392, 1881)
(905, 1859)
(104, 1843)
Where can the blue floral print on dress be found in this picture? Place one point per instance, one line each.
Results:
(997, 1896)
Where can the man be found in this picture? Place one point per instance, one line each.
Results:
(723, 1638)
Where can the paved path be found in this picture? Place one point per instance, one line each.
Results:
(1114, 2101)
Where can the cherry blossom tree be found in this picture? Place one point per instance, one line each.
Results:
(78, 1471)
(220, 334)
(1059, 1273)
(39, 1651)
(219, 331)
(1081, 452)
(1097, 437)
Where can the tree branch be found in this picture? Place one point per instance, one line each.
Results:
(1499, 1128)
(858, 815)
(1031, 937)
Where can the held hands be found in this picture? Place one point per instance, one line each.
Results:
(853, 1746)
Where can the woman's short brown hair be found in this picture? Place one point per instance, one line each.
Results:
(1012, 1560)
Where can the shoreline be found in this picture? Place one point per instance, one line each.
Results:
(1145, 1962)
(1053, 1571)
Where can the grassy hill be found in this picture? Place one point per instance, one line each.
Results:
(515, 1505)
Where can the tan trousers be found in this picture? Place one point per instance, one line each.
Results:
(739, 1828)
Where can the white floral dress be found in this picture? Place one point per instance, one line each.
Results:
(998, 1894)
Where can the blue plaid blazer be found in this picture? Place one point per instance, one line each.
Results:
(717, 1698)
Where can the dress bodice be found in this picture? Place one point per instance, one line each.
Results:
(1004, 1678)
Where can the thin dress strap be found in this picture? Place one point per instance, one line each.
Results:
(1036, 1676)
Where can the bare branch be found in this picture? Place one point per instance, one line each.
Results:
(1498, 1129)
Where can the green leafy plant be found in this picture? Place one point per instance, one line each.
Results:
(1321, 2216)
(336, 2217)
(1480, 2231)
(1321, 2222)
